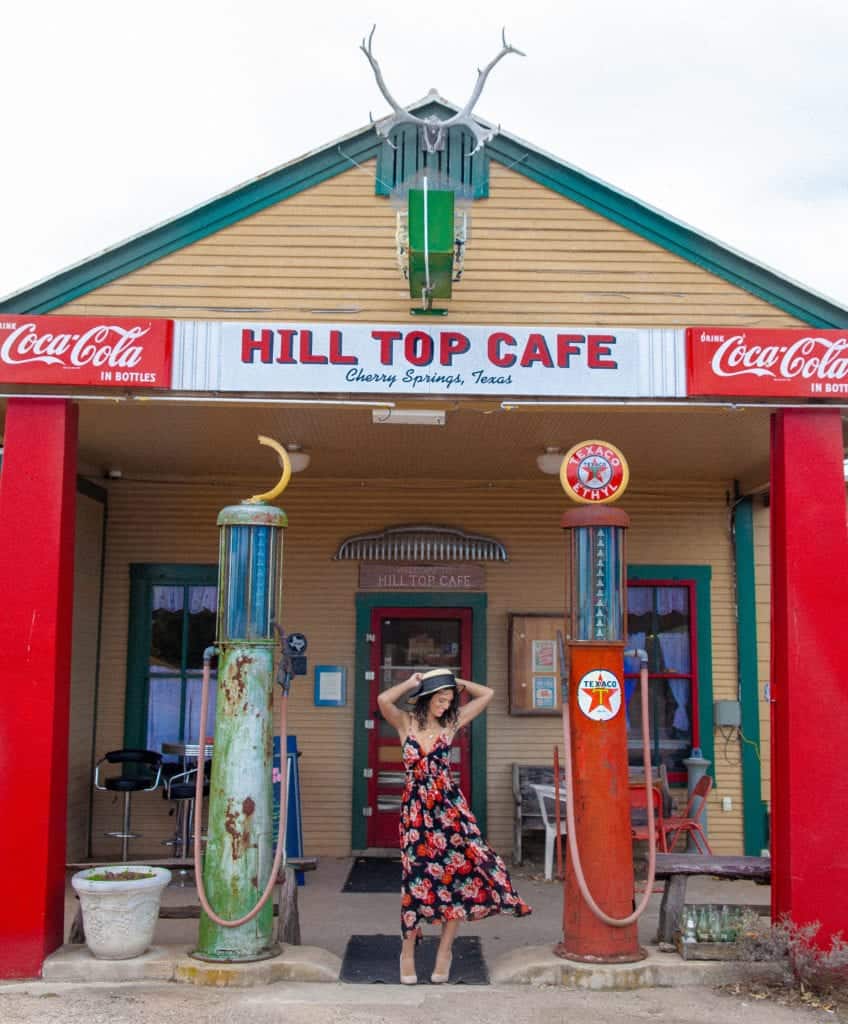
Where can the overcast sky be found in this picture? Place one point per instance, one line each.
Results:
(729, 115)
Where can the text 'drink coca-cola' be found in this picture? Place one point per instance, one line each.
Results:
(86, 351)
(762, 363)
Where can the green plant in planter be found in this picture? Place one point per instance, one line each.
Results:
(119, 876)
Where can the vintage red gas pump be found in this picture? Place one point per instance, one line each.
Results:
(599, 924)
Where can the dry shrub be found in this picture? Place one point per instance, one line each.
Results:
(822, 970)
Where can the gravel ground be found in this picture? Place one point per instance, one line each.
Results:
(386, 1004)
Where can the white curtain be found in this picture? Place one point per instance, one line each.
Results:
(169, 599)
(680, 691)
(193, 709)
(202, 599)
(163, 715)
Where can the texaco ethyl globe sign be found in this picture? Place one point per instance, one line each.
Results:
(594, 472)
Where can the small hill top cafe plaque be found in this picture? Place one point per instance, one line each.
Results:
(377, 576)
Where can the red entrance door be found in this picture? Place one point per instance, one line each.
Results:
(410, 640)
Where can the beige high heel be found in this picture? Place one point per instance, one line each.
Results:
(407, 979)
(439, 977)
(411, 979)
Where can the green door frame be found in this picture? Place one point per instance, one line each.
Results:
(753, 806)
(365, 604)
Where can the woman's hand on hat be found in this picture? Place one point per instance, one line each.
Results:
(414, 680)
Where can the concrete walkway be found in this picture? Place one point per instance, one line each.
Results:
(517, 951)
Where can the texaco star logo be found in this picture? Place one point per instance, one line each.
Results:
(599, 695)
(594, 472)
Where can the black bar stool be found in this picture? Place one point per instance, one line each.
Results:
(181, 789)
(141, 772)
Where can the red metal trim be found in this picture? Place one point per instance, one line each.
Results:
(37, 521)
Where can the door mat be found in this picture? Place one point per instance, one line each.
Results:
(373, 874)
(375, 959)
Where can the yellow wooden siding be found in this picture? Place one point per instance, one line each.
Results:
(534, 257)
(150, 522)
(87, 554)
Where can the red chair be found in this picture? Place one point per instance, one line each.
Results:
(639, 814)
(690, 822)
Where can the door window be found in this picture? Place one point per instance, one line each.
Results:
(660, 621)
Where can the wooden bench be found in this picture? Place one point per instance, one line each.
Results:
(678, 868)
(526, 814)
(286, 911)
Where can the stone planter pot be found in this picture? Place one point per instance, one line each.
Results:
(119, 915)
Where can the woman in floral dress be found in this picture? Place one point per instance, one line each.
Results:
(449, 873)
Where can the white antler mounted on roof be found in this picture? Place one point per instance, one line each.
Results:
(433, 130)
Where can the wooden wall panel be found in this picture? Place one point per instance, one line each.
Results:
(534, 257)
(87, 564)
(175, 522)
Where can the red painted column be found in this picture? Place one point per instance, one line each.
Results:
(37, 517)
(809, 669)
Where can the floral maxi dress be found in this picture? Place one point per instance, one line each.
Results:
(449, 873)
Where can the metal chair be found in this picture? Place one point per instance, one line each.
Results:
(639, 814)
(141, 772)
(690, 822)
(181, 789)
(547, 794)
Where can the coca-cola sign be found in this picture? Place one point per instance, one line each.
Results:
(85, 351)
(762, 363)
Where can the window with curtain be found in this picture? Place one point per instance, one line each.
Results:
(182, 626)
(660, 621)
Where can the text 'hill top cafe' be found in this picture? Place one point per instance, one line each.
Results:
(729, 362)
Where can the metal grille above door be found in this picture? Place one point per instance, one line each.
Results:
(421, 543)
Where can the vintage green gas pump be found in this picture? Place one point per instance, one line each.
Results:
(239, 869)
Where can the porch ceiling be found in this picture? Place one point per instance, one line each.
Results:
(158, 438)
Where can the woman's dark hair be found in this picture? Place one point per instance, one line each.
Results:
(422, 706)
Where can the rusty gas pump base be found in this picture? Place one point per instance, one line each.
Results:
(632, 957)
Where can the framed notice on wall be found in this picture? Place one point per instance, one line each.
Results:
(535, 672)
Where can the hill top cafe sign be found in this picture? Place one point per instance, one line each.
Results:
(403, 359)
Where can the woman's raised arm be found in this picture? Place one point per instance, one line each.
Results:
(480, 697)
(386, 701)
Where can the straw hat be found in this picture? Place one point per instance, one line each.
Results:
(437, 679)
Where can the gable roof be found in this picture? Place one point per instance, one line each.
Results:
(363, 144)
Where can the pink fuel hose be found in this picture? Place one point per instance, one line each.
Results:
(615, 922)
(198, 803)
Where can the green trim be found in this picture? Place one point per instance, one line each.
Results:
(701, 576)
(401, 157)
(142, 576)
(365, 604)
(341, 155)
(746, 611)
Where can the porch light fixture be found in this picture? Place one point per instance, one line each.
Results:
(550, 460)
(421, 417)
(298, 458)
